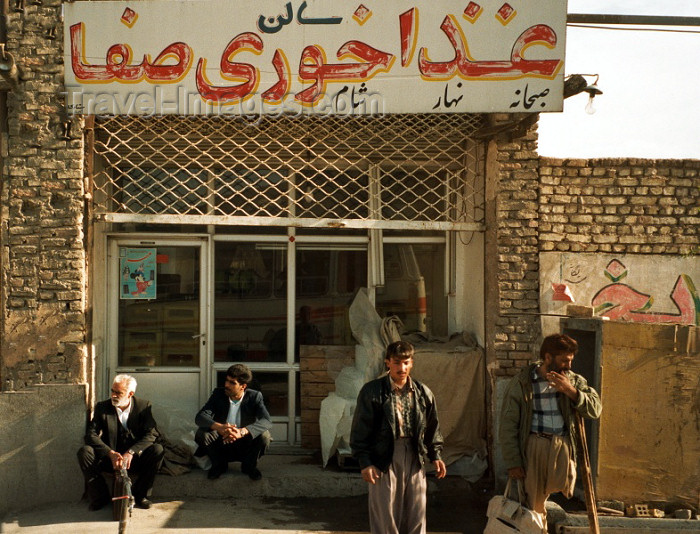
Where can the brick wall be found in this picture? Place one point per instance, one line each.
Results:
(516, 329)
(43, 258)
(624, 206)
(620, 205)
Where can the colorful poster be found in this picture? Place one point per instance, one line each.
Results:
(137, 273)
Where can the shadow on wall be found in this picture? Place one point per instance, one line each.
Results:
(42, 431)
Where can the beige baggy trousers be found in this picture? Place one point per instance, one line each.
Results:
(549, 467)
(397, 502)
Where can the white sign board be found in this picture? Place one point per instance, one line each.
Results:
(192, 57)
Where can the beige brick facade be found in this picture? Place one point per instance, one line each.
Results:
(515, 268)
(620, 205)
(43, 249)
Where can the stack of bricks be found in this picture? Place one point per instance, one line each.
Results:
(624, 206)
(319, 367)
(43, 263)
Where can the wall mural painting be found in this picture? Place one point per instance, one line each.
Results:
(622, 302)
(636, 288)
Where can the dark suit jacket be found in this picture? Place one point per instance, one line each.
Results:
(102, 430)
(254, 416)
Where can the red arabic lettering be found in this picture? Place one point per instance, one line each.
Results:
(161, 72)
(312, 66)
(118, 62)
(275, 93)
(624, 303)
(231, 70)
(407, 25)
(464, 65)
(175, 60)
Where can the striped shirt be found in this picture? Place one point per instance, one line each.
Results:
(546, 417)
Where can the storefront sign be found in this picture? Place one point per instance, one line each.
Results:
(215, 57)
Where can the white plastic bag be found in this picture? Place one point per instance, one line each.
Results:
(507, 516)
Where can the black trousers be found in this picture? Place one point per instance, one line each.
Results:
(246, 450)
(145, 465)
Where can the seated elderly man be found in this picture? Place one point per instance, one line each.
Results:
(122, 433)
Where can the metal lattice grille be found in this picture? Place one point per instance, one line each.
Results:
(394, 171)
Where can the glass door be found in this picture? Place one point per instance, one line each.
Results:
(158, 330)
(273, 296)
(250, 324)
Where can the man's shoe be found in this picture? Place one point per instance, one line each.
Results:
(252, 472)
(216, 471)
(97, 505)
(144, 503)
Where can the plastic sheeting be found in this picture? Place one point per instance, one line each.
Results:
(335, 417)
(456, 375)
(176, 428)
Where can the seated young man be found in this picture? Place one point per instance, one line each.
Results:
(234, 425)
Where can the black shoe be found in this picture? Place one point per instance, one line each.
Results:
(252, 472)
(98, 505)
(216, 471)
(144, 503)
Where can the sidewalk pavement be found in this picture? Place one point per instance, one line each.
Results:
(296, 495)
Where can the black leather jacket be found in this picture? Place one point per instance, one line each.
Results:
(374, 425)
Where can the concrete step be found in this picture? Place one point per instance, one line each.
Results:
(628, 530)
(578, 524)
(284, 476)
(197, 516)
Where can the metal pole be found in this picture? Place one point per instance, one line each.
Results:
(642, 20)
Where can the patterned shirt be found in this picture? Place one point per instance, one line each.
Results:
(546, 417)
(404, 408)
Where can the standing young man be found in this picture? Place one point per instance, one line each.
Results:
(234, 425)
(538, 426)
(395, 431)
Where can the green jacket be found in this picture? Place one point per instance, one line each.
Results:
(516, 413)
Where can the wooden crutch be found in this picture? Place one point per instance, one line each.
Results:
(588, 489)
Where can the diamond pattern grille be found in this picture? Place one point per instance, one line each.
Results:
(394, 171)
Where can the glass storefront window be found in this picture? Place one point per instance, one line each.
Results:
(250, 299)
(414, 287)
(250, 314)
(163, 331)
(326, 283)
(274, 387)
